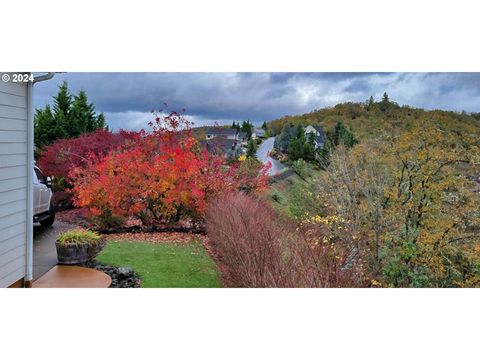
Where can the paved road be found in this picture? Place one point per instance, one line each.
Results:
(44, 251)
(263, 154)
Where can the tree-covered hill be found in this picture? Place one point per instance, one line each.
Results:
(402, 200)
(371, 119)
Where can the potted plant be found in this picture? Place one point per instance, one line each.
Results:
(78, 246)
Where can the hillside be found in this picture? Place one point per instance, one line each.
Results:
(402, 203)
(370, 120)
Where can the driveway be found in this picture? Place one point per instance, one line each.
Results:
(44, 251)
(263, 154)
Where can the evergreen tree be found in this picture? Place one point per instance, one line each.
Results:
(264, 126)
(300, 133)
(50, 126)
(82, 117)
(282, 141)
(338, 133)
(234, 126)
(47, 127)
(247, 127)
(101, 123)
(62, 102)
(249, 132)
(370, 103)
(349, 138)
(385, 98)
(71, 117)
(341, 135)
(385, 103)
(301, 147)
(251, 149)
(295, 149)
(60, 127)
(308, 151)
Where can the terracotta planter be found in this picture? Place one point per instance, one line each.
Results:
(77, 254)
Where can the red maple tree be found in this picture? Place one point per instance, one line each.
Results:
(63, 155)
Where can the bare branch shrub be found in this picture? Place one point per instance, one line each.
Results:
(255, 248)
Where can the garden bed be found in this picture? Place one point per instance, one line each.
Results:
(76, 216)
(122, 277)
(155, 238)
(79, 217)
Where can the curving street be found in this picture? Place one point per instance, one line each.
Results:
(263, 154)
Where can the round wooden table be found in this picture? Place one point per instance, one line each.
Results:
(68, 276)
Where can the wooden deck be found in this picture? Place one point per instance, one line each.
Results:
(66, 276)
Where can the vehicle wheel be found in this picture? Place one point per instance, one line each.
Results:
(49, 222)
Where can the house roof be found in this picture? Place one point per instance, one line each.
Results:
(320, 137)
(215, 130)
(318, 128)
(242, 134)
(219, 145)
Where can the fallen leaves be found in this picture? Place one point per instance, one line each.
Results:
(157, 237)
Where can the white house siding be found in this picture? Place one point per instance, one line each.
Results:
(13, 181)
(310, 129)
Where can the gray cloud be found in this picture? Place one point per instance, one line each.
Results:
(127, 98)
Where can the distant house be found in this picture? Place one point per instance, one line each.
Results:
(318, 133)
(220, 145)
(223, 140)
(242, 138)
(215, 131)
(258, 133)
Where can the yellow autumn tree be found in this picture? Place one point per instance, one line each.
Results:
(410, 212)
(434, 208)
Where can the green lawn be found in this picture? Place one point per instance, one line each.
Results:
(164, 265)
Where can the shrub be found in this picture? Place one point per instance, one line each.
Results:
(255, 248)
(249, 175)
(59, 158)
(244, 236)
(301, 168)
(160, 178)
(251, 148)
(78, 236)
(108, 221)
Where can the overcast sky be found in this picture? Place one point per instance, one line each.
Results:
(127, 98)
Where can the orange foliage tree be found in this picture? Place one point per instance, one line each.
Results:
(166, 175)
